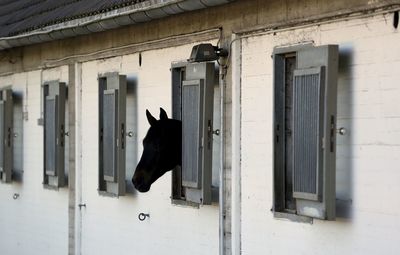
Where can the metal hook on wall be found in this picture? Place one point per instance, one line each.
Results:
(143, 216)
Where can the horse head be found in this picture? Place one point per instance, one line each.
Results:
(161, 150)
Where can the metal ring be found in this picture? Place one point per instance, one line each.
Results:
(143, 216)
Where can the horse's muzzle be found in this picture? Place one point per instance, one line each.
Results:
(138, 183)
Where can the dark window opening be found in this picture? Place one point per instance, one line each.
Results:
(290, 65)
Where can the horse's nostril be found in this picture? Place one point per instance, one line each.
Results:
(140, 184)
(137, 180)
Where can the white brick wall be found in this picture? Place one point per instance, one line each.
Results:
(37, 220)
(368, 158)
(110, 225)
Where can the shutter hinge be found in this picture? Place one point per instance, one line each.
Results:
(122, 136)
(62, 136)
(8, 137)
(332, 135)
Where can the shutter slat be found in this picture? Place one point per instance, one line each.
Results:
(307, 130)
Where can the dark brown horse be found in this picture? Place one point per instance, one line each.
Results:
(161, 150)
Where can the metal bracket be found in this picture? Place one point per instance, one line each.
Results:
(81, 205)
(40, 122)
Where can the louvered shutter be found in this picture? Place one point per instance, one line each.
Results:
(314, 112)
(54, 94)
(2, 137)
(110, 111)
(192, 148)
(308, 92)
(6, 135)
(51, 143)
(112, 120)
(193, 104)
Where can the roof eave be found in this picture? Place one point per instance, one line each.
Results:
(107, 21)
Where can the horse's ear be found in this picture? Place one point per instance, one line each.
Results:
(150, 118)
(163, 114)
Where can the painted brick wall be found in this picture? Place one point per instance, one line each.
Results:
(37, 219)
(37, 222)
(368, 157)
(110, 225)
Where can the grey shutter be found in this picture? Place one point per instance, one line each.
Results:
(192, 107)
(112, 122)
(51, 135)
(314, 114)
(308, 92)
(193, 104)
(6, 137)
(177, 76)
(54, 94)
(110, 110)
(2, 138)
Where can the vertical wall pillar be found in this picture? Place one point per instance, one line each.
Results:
(71, 159)
(77, 236)
(236, 154)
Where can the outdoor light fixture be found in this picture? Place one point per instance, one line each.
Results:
(206, 52)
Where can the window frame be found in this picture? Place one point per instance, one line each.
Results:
(113, 186)
(326, 56)
(57, 90)
(203, 74)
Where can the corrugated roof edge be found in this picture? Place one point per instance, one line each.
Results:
(108, 20)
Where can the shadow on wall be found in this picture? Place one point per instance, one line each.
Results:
(131, 129)
(344, 153)
(18, 121)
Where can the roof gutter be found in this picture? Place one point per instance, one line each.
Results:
(139, 13)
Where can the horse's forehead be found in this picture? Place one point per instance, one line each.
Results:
(153, 133)
(159, 130)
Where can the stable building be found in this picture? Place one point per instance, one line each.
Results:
(290, 126)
